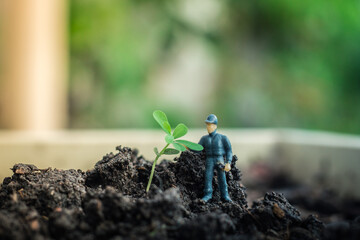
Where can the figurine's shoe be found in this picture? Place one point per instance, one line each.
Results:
(206, 198)
(227, 199)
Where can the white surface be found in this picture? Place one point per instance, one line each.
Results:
(306, 155)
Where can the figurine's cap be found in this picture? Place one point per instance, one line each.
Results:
(212, 119)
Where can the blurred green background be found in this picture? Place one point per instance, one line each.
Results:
(275, 63)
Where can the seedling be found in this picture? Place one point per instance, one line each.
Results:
(171, 138)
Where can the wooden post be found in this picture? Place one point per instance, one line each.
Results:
(33, 53)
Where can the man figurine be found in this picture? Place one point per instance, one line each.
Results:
(217, 146)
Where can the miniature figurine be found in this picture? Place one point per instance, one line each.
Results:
(217, 146)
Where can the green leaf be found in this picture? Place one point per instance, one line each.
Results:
(180, 130)
(156, 151)
(161, 118)
(171, 151)
(169, 138)
(167, 127)
(179, 146)
(191, 145)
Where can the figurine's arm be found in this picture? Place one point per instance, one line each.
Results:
(228, 150)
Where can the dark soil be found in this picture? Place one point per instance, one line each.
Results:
(109, 202)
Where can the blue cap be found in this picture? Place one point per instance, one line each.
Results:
(212, 119)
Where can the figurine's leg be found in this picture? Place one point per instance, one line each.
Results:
(209, 173)
(223, 185)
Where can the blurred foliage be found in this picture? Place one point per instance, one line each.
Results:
(279, 63)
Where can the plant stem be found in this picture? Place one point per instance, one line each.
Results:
(153, 167)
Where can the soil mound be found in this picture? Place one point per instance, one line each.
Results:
(109, 202)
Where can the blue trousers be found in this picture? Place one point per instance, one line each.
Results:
(209, 173)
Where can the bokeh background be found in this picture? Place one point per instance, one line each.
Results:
(272, 63)
(256, 64)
